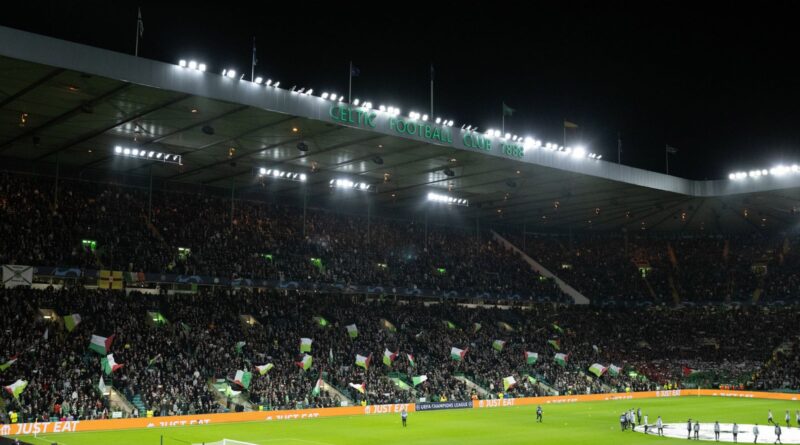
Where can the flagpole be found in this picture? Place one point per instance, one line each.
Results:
(138, 20)
(431, 91)
(350, 84)
(253, 62)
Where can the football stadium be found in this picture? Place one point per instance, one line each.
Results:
(200, 254)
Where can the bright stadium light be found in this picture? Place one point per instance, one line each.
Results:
(201, 67)
(438, 120)
(333, 96)
(343, 183)
(324, 95)
(145, 154)
(229, 73)
(425, 117)
(579, 153)
(356, 101)
(269, 82)
(182, 63)
(445, 199)
(259, 80)
(192, 65)
(382, 107)
(277, 84)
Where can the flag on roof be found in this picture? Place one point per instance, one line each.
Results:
(101, 345)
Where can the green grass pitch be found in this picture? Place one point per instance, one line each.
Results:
(575, 423)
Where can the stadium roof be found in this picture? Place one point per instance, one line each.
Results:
(73, 104)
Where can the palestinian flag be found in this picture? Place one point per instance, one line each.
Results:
(556, 344)
(71, 321)
(263, 369)
(317, 386)
(242, 378)
(476, 327)
(239, 346)
(561, 359)
(498, 345)
(101, 345)
(458, 354)
(357, 386)
(321, 321)
(16, 388)
(558, 328)
(363, 361)
(449, 324)
(305, 344)
(305, 362)
(411, 360)
(8, 364)
(597, 369)
(388, 357)
(687, 371)
(509, 382)
(531, 357)
(614, 370)
(352, 330)
(109, 365)
(416, 380)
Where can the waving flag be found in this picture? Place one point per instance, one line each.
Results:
(317, 386)
(101, 345)
(416, 380)
(263, 369)
(531, 357)
(243, 378)
(509, 382)
(363, 361)
(411, 360)
(614, 370)
(352, 330)
(357, 386)
(8, 364)
(556, 344)
(16, 388)
(498, 345)
(458, 354)
(109, 365)
(561, 359)
(305, 344)
(388, 357)
(597, 369)
(305, 362)
(71, 321)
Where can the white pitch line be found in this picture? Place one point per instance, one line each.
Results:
(48, 440)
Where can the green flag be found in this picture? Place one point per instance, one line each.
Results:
(561, 359)
(238, 346)
(507, 111)
(305, 362)
(263, 369)
(556, 344)
(597, 369)
(305, 344)
(8, 364)
(352, 330)
(317, 386)
(416, 380)
(16, 388)
(321, 321)
(498, 345)
(243, 378)
(71, 321)
(531, 357)
(509, 382)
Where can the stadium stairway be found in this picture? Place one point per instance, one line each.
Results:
(137, 402)
(335, 392)
(120, 403)
(577, 297)
(483, 392)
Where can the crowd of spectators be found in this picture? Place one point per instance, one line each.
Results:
(172, 365)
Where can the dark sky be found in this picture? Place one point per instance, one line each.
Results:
(720, 84)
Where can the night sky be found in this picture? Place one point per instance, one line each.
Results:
(720, 85)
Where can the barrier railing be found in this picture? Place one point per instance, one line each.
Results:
(268, 416)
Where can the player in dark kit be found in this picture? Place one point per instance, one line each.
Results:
(539, 414)
(404, 416)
